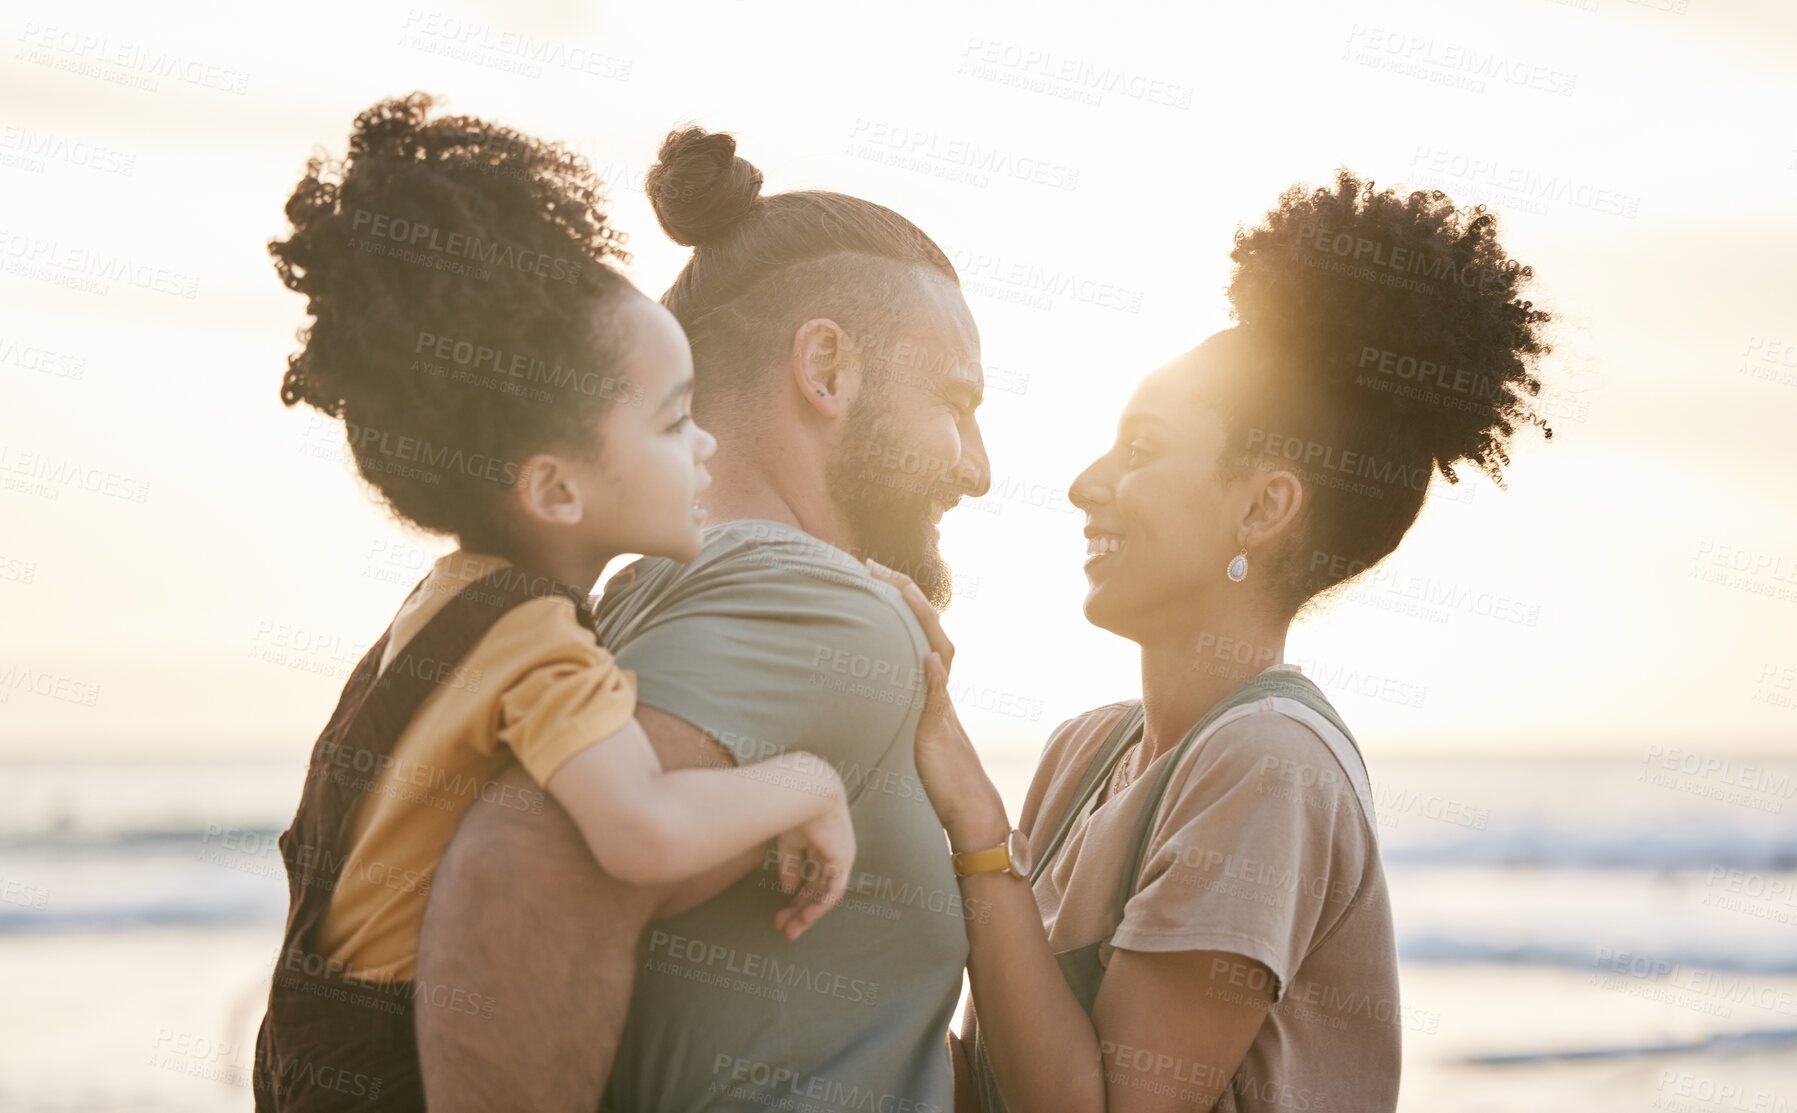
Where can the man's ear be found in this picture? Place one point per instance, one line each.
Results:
(823, 366)
(546, 491)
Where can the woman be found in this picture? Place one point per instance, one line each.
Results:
(1208, 925)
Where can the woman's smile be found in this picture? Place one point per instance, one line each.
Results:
(1100, 545)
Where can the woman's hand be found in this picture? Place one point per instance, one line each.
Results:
(969, 806)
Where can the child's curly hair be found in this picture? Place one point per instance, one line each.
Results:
(460, 279)
(1381, 338)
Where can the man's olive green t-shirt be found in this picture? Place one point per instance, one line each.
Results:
(771, 640)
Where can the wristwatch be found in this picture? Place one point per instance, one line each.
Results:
(1012, 856)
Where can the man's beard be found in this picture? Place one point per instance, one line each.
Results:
(888, 509)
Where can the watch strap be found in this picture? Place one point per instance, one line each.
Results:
(983, 861)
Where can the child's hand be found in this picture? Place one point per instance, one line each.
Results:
(815, 859)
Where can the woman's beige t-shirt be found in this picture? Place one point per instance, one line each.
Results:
(1263, 849)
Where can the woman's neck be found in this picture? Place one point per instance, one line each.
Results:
(1184, 676)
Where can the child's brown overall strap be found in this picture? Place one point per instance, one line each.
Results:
(319, 1022)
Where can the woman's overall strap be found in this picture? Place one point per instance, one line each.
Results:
(1096, 771)
(1262, 686)
(1298, 687)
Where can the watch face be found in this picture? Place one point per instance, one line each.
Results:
(1019, 846)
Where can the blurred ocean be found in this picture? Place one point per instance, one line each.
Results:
(1591, 933)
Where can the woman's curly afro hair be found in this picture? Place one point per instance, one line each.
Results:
(1381, 338)
(460, 279)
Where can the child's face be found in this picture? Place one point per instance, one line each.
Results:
(651, 467)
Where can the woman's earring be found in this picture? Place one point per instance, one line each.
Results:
(1238, 568)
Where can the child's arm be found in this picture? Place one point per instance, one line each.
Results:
(647, 827)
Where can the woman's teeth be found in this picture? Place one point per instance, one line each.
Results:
(1098, 546)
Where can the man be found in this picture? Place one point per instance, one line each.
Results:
(838, 367)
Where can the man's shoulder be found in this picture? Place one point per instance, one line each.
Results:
(770, 574)
(776, 550)
(756, 551)
(741, 533)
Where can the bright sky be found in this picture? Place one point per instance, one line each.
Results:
(210, 572)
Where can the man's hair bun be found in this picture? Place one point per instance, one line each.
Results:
(699, 186)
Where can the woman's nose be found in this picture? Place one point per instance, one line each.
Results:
(1088, 489)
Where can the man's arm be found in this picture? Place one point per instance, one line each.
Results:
(681, 745)
(521, 915)
(726, 665)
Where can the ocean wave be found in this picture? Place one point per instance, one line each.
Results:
(169, 912)
(1652, 849)
(1731, 955)
(1655, 848)
(1725, 1043)
(75, 840)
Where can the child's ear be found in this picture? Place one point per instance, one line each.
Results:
(547, 490)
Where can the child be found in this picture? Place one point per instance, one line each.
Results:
(500, 383)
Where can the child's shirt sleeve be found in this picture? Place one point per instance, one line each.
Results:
(572, 696)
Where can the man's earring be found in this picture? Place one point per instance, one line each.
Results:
(1238, 568)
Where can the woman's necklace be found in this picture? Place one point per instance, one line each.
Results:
(1125, 771)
